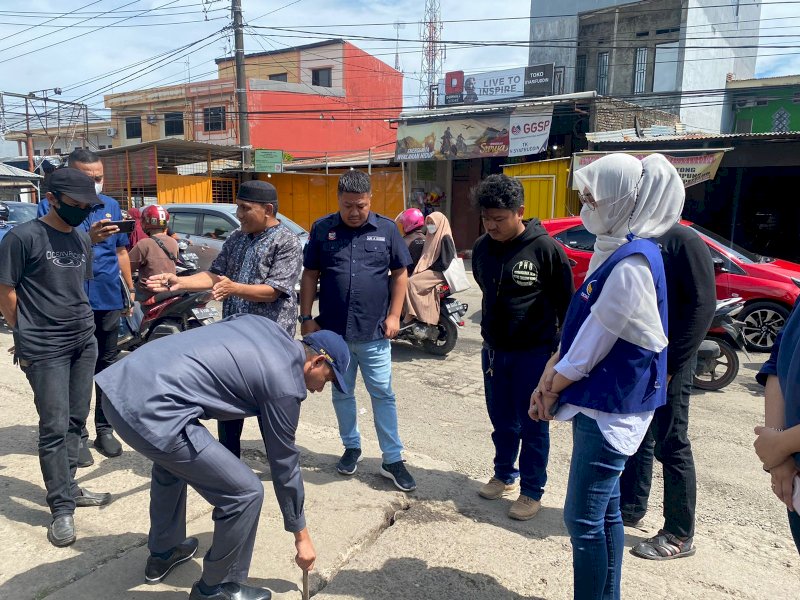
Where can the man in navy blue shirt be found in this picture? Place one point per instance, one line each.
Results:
(110, 258)
(359, 259)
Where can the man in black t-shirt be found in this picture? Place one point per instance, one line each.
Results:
(43, 265)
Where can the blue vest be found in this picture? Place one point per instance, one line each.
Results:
(629, 379)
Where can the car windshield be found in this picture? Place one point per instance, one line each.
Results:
(21, 212)
(740, 253)
(293, 227)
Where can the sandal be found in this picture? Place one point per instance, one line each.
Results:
(664, 546)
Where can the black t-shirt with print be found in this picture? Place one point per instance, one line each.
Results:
(48, 268)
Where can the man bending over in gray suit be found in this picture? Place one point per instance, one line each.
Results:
(241, 367)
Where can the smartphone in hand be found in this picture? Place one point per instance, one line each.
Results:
(125, 226)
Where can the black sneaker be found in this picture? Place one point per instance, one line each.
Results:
(348, 464)
(398, 473)
(158, 568)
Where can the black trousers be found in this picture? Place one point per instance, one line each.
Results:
(106, 332)
(230, 434)
(667, 440)
(61, 388)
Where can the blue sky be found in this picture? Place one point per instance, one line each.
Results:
(44, 56)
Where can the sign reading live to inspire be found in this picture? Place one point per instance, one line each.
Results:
(458, 88)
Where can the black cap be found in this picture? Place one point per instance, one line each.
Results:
(257, 191)
(75, 184)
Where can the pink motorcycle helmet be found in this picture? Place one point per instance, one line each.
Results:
(409, 220)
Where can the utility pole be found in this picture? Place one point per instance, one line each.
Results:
(241, 83)
(28, 137)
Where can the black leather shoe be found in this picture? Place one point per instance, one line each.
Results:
(232, 591)
(107, 445)
(62, 531)
(85, 458)
(158, 568)
(88, 498)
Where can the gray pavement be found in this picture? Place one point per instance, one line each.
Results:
(373, 542)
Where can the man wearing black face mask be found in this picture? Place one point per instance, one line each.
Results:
(43, 265)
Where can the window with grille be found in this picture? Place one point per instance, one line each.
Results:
(214, 118)
(580, 73)
(133, 127)
(223, 190)
(780, 120)
(602, 73)
(322, 77)
(640, 71)
(173, 123)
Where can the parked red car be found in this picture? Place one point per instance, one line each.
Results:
(768, 286)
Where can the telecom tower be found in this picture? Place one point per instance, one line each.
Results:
(432, 52)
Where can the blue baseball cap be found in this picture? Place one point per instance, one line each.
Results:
(333, 347)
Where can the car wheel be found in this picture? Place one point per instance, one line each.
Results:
(762, 322)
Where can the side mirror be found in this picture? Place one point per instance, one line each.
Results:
(719, 266)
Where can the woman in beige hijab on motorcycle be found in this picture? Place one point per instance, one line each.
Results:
(422, 299)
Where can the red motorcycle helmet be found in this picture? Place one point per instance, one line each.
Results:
(409, 220)
(154, 217)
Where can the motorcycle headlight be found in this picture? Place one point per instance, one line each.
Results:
(796, 281)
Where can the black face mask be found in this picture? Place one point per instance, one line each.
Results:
(72, 215)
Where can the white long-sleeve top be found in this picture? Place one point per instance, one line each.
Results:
(631, 280)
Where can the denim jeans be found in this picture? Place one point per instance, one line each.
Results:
(591, 513)
(375, 360)
(667, 440)
(509, 379)
(62, 388)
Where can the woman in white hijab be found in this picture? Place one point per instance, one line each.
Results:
(610, 372)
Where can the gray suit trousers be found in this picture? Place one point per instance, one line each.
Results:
(225, 482)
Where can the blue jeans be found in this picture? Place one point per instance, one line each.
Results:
(62, 390)
(592, 515)
(375, 360)
(509, 379)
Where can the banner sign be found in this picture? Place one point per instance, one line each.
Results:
(693, 169)
(268, 161)
(480, 137)
(530, 131)
(457, 88)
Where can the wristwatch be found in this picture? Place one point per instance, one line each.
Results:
(304, 318)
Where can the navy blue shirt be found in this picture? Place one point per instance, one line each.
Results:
(354, 265)
(105, 288)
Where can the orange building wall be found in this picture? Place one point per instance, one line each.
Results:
(368, 83)
(306, 197)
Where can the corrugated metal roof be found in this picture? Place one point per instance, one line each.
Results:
(466, 109)
(10, 173)
(355, 159)
(624, 136)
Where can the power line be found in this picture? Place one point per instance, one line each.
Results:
(49, 46)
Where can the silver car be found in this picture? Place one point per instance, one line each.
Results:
(207, 226)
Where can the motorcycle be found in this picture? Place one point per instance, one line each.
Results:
(439, 340)
(167, 312)
(717, 361)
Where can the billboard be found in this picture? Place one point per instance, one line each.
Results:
(458, 88)
(453, 139)
(530, 131)
(693, 168)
